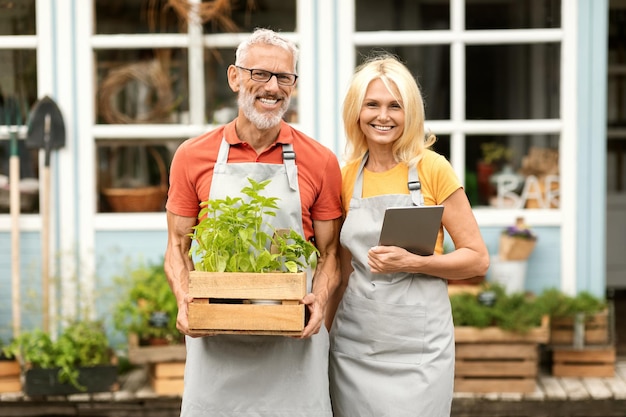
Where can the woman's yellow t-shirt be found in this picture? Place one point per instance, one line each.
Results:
(436, 175)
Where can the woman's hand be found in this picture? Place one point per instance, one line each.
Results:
(387, 259)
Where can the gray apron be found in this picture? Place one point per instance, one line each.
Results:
(392, 340)
(237, 375)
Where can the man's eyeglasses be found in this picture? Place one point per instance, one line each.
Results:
(262, 76)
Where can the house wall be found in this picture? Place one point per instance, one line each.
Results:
(99, 247)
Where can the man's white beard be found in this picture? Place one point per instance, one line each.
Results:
(262, 121)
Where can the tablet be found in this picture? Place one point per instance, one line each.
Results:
(413, 228)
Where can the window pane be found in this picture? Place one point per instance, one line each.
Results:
(142, 86)
(136, 16)
(513, 171)
(17, 17)
(513, 81)
(133, 175)
(431, 67)
(442, 146)
(18, 94)
(221, 101)
(402, 15)
(512, 14)
(279, 15)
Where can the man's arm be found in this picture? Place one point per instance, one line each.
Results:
(178, 263)
(327, 274)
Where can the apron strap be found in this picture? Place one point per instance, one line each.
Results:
(289, 160)
(414, 184)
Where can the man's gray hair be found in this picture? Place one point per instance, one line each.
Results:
(266, 37)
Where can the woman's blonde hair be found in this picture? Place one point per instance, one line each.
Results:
(398, 80)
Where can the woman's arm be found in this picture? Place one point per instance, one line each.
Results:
(469, 259)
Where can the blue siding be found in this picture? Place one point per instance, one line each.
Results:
(591, 163)
(30, 283)
(544, 265)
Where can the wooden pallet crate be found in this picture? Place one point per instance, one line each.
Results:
(167, 378)
(225, 303)
(587, 362)
(597, 330)
(10, 372)
(496, 367)
(495, 360)
(140, 355)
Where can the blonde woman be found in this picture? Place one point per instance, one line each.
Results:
(392, 337)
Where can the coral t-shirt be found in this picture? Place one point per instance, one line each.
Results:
(319, 175)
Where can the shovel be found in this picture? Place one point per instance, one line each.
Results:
(46, 130)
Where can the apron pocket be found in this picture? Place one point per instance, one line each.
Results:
(378, 331)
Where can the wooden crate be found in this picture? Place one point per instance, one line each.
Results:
(597, 330)
(223, 302)
(495, 360)
(10, 376)
(587, 362)
(496, 367)
(139, 355)
(166, 378)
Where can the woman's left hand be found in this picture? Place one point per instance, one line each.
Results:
(387, 259)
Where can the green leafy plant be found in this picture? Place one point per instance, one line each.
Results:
(148, 307)
(518, 312)
(231, 236)
(560, 305)
(496, 153)
(514, 312)
(81, 344)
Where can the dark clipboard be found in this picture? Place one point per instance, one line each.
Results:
(413, 228)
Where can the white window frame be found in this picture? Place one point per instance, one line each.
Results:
(458, 127)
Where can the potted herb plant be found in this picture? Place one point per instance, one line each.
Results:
(148, 307)
(146, 314)
(79, 360)
(239, 257)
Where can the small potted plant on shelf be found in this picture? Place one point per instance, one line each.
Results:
(238, 256)
(146, 314)
(79, 360)
(148, 307)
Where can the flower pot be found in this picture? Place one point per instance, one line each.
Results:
(40, 381)
(510, 274)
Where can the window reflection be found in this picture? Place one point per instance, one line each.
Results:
(402, 15)
(133, 175)
(513, 81)
(513, 171)
(430, 65)
(136, 16)
(18, 94)
(142, 86)
(512, 14)
(17, 17)
(247, 15)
